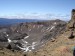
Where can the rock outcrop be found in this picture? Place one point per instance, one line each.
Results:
(71, 24)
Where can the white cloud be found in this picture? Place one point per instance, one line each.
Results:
(47, 16)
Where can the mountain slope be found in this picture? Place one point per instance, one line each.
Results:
(30, 36)
(63, 45)
(59, 41)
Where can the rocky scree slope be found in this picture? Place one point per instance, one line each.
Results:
(30, 36)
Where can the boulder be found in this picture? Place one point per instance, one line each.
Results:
(71, 35)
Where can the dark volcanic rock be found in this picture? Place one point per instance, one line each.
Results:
(31, 36)
(71, 23)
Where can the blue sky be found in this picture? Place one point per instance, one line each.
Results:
(36, 9)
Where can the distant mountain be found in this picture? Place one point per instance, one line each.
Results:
(5, 21)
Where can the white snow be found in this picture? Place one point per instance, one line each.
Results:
(25, 48)
(34, 43)
(33, 47)
(48, 28)
(17, 31)
(26, 42)
(55, 23)
(26, 37)
(29, 29)
(7, 35)
(9, 40)
(30, 50)
(52, 27)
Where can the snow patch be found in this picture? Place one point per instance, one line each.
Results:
(29, 29)
(7, 35)
(26, 37)
(30, 50)
(26, 47)
(17, 31)
(33, 47)
(48, 28)
(34, 43)
(9, 41)
(55, 23)
(24, 41)
(52, 28)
